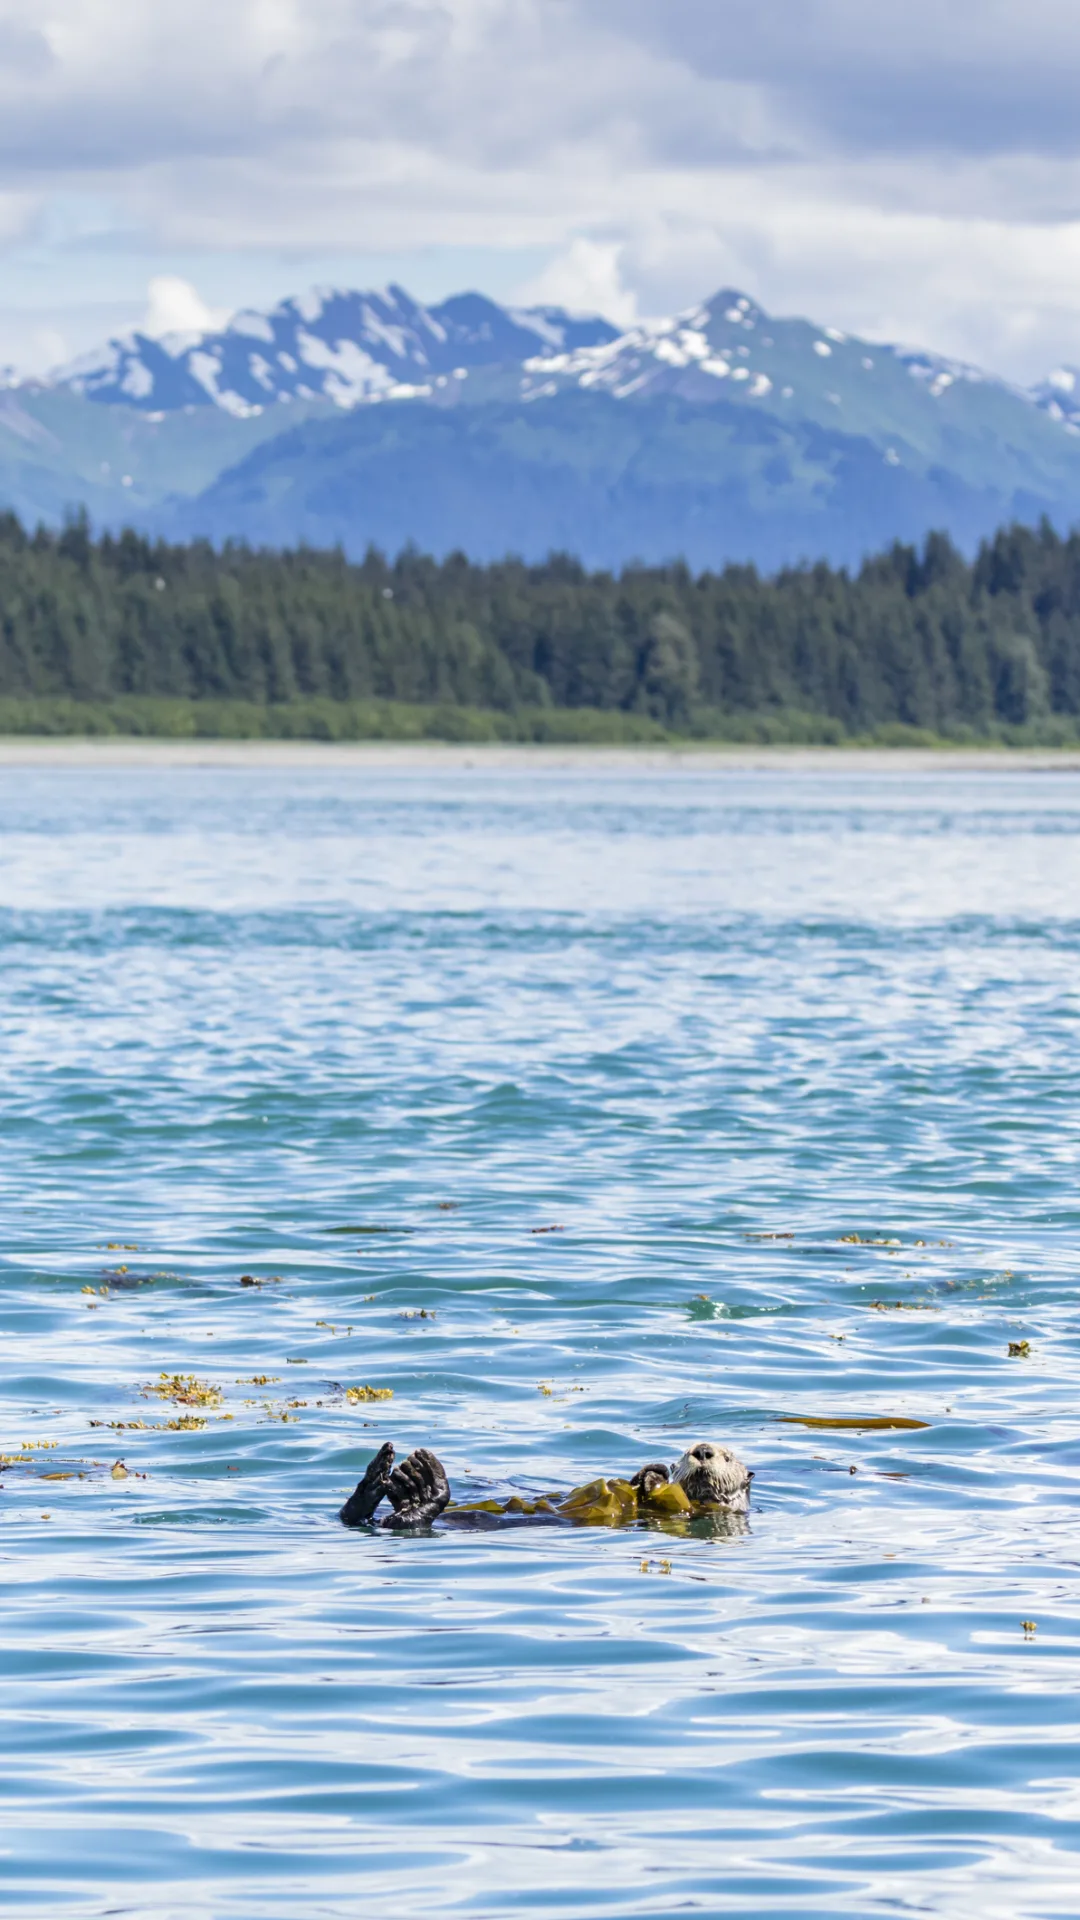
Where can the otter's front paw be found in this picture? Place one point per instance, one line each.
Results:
(647, 1479)
(418, 1491)
(360, 1505)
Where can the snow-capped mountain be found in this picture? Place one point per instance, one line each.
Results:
(357, 348)
(730, 344)
(326, 344)
(722, 433)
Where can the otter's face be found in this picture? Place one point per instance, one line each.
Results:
(711, 1474)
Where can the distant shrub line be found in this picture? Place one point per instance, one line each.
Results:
(121, 634)
(345, 720)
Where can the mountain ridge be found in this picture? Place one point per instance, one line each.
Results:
(330, 343)
(723, 433)
(356, 347)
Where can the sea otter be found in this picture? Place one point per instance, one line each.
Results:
(707, 1478)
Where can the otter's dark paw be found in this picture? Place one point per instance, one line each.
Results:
(418, 1491)
(647, 1479)
(360, 1505)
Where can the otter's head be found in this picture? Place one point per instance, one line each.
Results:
(710, 1474)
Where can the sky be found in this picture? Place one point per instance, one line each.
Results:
(909, 172)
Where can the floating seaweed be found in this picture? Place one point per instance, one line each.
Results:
(184, 1390)
(872, 1423)
(903, 1306)
(372, 1229)
(602, 1503)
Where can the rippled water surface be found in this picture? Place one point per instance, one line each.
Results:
(361, 1033)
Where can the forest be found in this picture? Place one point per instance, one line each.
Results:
(124, 633)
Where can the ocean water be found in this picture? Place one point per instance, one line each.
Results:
(550, 1099)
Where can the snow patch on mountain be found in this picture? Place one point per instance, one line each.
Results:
(1059, 396)
(138, 381)
(253, 326)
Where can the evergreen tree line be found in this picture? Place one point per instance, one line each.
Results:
(919, 637)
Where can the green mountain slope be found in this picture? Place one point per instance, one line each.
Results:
(60, 451)
(919, 410)
(586, 473)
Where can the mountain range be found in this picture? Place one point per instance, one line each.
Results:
(724, 434)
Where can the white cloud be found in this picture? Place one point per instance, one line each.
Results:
(585, 279)
(49, 347)
(1005, 294)
(912, 170)
(174, 306)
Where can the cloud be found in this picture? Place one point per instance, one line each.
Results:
(585, 279)
(24, 50)
(1001, 294)
(174, 306)
(871, 76)
(909, 168)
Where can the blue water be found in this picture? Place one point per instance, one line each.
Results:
(671, 1012)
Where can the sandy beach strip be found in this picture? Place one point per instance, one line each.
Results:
(114, 751)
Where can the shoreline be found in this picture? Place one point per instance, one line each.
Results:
(118, 751)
